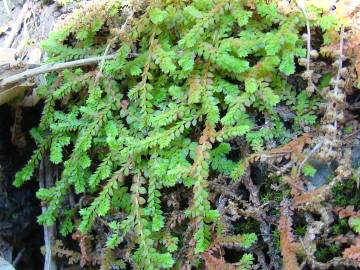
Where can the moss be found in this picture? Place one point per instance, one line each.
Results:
(300, 230)
(272, 196)
(346, 193)
(325, 253)
(341, 226)
(248, 225)
(267, 193)
(276, 235)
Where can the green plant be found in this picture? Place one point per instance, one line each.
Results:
(300, 230)
(354, 223)
(344, 193)
(340, 227)
(324, 252)
(188, 79)
(309, 170)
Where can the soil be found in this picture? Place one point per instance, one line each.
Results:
(19, 231)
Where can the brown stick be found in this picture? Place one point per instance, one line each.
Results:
(52, 67)
(45, 181)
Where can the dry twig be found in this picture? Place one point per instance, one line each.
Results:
(52, 67)
(45, 180)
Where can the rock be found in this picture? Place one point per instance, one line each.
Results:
(355, 154)
(323, 174)
(285, 113)
(5, 265)
(34, 56)
(6, 250)
(7, 56)
(325, 171)
(259, 172)
(12, 4)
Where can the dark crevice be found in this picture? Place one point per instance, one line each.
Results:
(19, 207)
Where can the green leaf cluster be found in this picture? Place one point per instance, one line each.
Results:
(189, 80)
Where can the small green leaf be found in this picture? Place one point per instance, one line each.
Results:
(309, 170)
(348, 130)
(354, 223)
(250, 85)
(157, 15)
